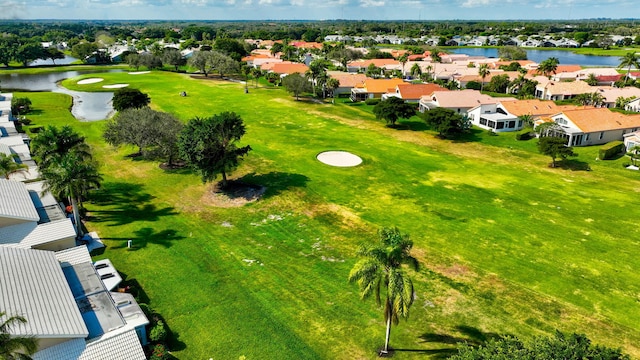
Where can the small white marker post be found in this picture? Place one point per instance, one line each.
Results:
(129, 242)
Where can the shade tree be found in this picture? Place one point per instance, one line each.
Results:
(555, 147)
(446, 122)
(296, 84)
(392, 109)
(126, 98)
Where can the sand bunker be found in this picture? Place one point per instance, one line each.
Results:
(115, 86)
(339, 158)
(139, 72)
(90, 81)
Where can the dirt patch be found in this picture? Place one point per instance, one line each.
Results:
(174, 166)
(235, 194)
(456, 271)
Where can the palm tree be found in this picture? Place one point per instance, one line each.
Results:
(71, 176)
(483, 71)
(548, 66)
(403, 60)
(316, 69)
(256, 73)
(629, 60)
(381, 268)
(431, 71)
(332, 85)
(8, 165)
(15, 347)
(53, 142)
(416, 71)
(634, 154)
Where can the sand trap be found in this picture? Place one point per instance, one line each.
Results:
(139, 72)
(339, 158)
(115, 86)
(90, 81)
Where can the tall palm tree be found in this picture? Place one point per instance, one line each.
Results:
(332, 85)
(402, 59)
(629, 60)
(483, 71)
(549, 66)
(15, 347)
(71, 176)
(416, 71)
(8, 165)
(380, 269)
(53, 142)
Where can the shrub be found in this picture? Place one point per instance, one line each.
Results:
(610, 149)
(36, 129)
(474, 85)
(372, 101)
(158, 333)
(159, 352)
(524, 134)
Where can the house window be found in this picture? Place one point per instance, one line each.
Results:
(512, 124)
(483, 121)
(520, 123)
(587, 137)
(500, 125)
(601, 135)
(491, 124)
(458, 110)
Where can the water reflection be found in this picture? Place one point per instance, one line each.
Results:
(87, 106)
(565, 57)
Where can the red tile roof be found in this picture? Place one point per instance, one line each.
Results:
(291, 68)
(416, 91)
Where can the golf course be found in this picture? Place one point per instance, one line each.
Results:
(506, 244)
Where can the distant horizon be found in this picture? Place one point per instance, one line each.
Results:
(315, 20)
(306, 10)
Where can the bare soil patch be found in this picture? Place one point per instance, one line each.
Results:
(235, 194)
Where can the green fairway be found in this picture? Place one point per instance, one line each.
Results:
(507, 245)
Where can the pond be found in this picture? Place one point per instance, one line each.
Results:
(66, 61)
(87, 106)
(565, 57)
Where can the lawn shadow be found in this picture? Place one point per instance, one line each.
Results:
(127, 203)
(413, 125)
(463, 334)
(144, 236)
(276, 182)
(573, 165)
(471, 135)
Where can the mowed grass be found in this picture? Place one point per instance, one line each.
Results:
(508, 245)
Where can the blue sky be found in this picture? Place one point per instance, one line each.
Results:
(316, 9)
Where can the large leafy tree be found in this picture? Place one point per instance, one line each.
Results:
(446, 122)
(71, 176)
(200, 61)
(629, 60)
(392, 109)
(138, 127)
(53, 54)
(555, 147)
(296, 84)
(9, 166)
(29, 52)
(12, 346)
(209, 145)
(559, 346)
(127, 98)
(173, 57)
(380, 273)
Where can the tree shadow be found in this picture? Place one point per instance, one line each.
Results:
(126, 204)
(463, 334)
(276, 182)
(573, 165)
(145, 236)
(413, 125)
(471, 135)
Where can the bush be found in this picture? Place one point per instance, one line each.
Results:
(158, 333)
(610, 149)
(372, 101)
(473, 85)
(36, 129)
(159, 352)
(524, 134)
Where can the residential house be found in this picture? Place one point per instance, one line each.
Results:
(373, 88)
(286, 68)
(362, 65)
(505, 115)
(411, 93)
(594, 126)
(560, 90)
(633, 105)
(631, 140)
(346, 80)
(612, 94)
(459, 101)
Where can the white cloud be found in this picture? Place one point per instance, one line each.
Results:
(372, 3)
(476, 3)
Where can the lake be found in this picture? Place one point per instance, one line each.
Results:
(565, 57)
(66, 61)
(87, 106)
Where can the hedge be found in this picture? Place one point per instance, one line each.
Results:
(372, 101)
(610, 149)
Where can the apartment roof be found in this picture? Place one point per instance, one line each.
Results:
(16, 202)
(34, 286)
(610, 94)
(291, 68)
(534, 107)
(348, 80)
(28, 235)
(122, 345)
(73, 256)
(416, 91)
(568, 88)
(461, 99)
(601, 119)
(381, 85)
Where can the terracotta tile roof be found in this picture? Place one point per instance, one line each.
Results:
(416, 91)
(376, 62)
(380, 86)
(290, 68)
(601, 119)
(475, 77)
(609, 78)
(394, 52)
(568, 87)
(534, 107)
(306, 45)
(348, 79)
(416, 57)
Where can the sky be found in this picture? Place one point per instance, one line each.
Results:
(317, 9)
